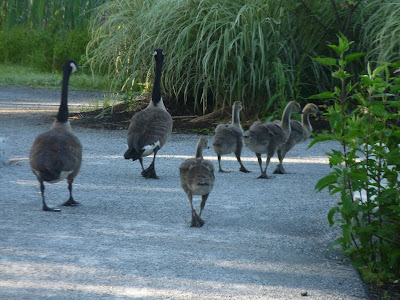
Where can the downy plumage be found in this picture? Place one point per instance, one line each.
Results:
(228, 138)
(197, 178)
(268, 137)
(299, 133)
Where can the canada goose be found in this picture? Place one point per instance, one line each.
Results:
(299, 133)
(197, 178)
(267, 137)
(150, 128)
(228, 138)
(57, 154)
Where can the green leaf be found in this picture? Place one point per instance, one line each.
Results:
(320, 139)
(335, 48)
(327, 61)
(337, 242)
(324, 95)
(331, 214)
(326, 181)
(366, 80)
(353, 56)
(341, 74)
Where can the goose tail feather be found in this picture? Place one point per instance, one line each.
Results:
(131, 153)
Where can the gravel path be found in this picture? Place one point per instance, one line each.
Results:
(130, 238)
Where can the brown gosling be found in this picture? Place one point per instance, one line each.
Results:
(197, 178)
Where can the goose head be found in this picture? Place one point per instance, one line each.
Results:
(237, 106)
(312, 109)
(70, 66)
(294, 107)
(158, 54)
(201, 145)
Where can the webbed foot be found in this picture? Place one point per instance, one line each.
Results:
(70, 202)
(265, 176)
(196, 220)
(46, 208)
(244, 170)
(150, 172)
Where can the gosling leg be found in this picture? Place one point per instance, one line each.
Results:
(196, 220)
(237, 154)
(279, 168)
(219, 164)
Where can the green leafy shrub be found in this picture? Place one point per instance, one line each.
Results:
(366, 171)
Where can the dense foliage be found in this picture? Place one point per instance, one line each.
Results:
(366, 171)
(217, 52)
(44, 33)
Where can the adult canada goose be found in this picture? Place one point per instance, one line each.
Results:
(228, 138)
(268, 137)
(299, 133)
(150, 128)
(57, 154)
(197, 178)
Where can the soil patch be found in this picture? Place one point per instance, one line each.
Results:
(118, 117)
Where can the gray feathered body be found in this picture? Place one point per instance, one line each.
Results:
(297, 135)
(55, 155)
(264, 137)
(148, 129)
(227, 138)
(197, 176)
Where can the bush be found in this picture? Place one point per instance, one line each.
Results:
(366, 172)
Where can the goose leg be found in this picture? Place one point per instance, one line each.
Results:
(70, 201)
(141, 163)
(196, 220)
(263, 172)
(279, 168)
(203, 203)
(219, 164)
(150, 172)
(45, 207)
(237, 154)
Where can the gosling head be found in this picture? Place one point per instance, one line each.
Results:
(295, 107)
(311, 108)
(203, 143)
(237, 105)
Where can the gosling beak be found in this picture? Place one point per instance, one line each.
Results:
(300, 111)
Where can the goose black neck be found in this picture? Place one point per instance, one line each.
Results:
(62, 115)
(156, 94)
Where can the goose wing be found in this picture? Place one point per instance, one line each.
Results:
(148, 129)
(55, 152)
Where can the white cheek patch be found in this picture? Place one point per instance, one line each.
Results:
(74, 68)
(148, 149)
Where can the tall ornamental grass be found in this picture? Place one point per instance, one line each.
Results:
(216, 52)
(381, 32)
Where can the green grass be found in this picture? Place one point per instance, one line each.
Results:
(15, 75)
